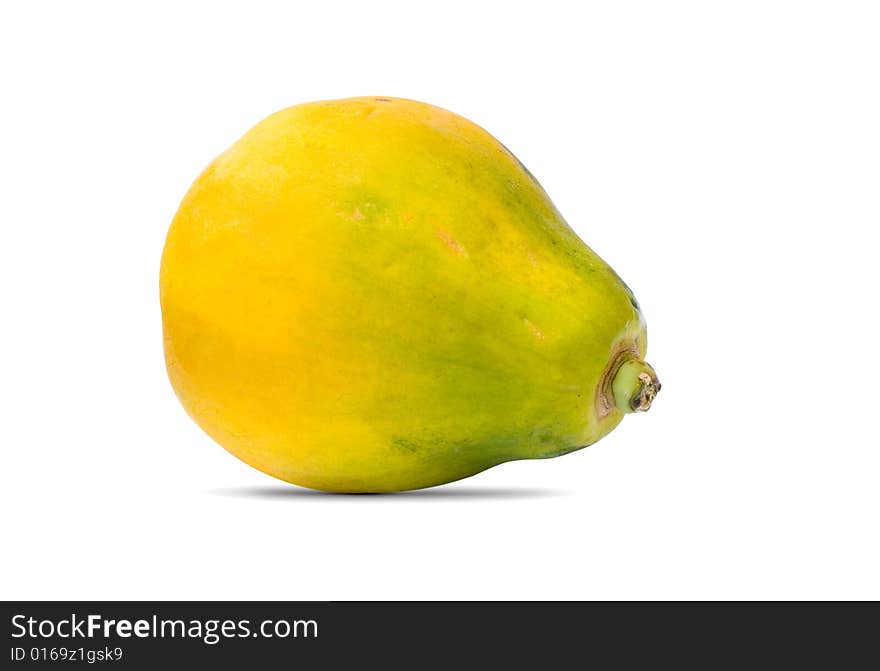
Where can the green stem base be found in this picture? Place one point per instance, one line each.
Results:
(634, 386)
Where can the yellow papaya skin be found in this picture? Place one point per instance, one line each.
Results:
(374, 295)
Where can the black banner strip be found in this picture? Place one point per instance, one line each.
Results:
(260, 635)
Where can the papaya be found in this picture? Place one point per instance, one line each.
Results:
(373, 294)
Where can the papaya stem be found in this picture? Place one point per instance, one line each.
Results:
(634, 386)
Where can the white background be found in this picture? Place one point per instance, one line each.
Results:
(724, 157)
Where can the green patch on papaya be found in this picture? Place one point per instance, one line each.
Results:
(405, 445)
